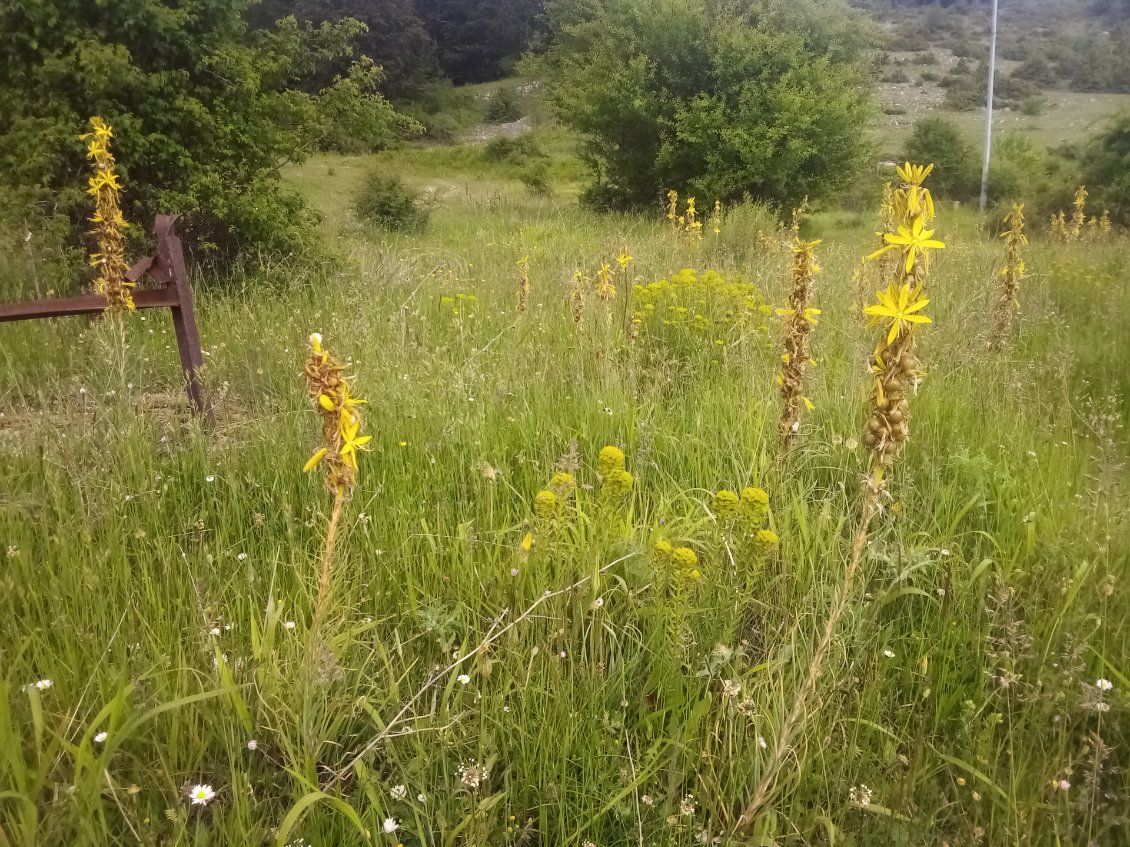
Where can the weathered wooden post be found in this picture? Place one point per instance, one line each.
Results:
(168, 268)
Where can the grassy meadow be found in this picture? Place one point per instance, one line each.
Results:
(499, 673)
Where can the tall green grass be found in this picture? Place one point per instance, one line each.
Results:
(996, 574)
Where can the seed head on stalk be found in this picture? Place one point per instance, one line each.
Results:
(800, 319)
(1011, 274)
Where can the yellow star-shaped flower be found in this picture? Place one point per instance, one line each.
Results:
(894, 304)
(351, 441)
(917, 239)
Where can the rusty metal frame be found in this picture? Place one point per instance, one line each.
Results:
(175, 294)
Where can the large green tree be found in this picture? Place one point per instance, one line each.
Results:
(479, 40)
(712, 98)
(394, 38)
(203, 110)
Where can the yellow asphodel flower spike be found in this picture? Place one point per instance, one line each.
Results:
(341, 421)
(109, 226)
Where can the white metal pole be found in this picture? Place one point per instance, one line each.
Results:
(989, 112)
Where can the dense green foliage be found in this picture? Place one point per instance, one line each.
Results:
(387, 202)
(479, 40)
(956, 173)
(695, 96)
(1106, 169)
(203, 112)
(394, 38)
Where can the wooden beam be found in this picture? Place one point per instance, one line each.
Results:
(86, 304)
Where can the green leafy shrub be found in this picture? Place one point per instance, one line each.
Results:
(516, 150)
(502, 106)
(709, 99)
(1034, 105)
(956, 173)
(1106, 169)
(204, 113)
(535, 176)
(389, 203)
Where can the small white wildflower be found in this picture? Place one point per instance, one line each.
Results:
(398, 792)
(421, 798)
(860, 795)
(201, 795)
(563, 654)
(44, 684)
(1064, 785)
(687, 806)
(646, 800)
(100, 737)
(762, 743)
(513, 571)
(210, 478)
(890, 654)
(242, 557)
(463, 678)
(252, 744)
(598, 603)
(390, 825)
(289, 625)
(1103, 684)
(215, 630)
(471, 774)
(730, 689)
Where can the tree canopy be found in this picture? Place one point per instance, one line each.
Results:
(203, 110)
(717, 100)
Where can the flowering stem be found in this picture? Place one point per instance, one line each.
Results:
(803, 708)
(325, 581)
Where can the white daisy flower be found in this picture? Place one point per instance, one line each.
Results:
(44, 684)
(201, 795)
(463, 678)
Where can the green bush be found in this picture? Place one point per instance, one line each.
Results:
(502, 106)
(515, 150)
(956, 173)
(1106, 170)
(387, 202)
(204, 114)
(445, 112)
(1034, 105)
(535, 176)
(710, 99)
